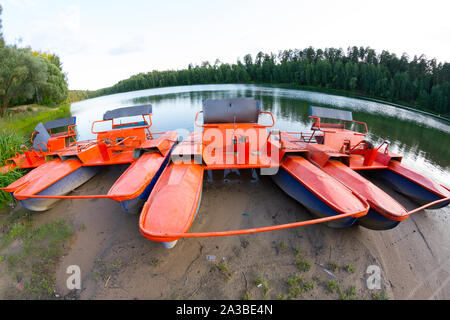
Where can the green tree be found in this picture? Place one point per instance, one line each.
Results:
(20, 75)
(54, 90)
(2, 42)
(421, 82)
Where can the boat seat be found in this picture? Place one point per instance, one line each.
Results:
(319, 139)
(41, 138)
(58, 123)
(329, 113)
(128, 112)
(235, 110)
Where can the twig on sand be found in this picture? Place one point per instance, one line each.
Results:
(107, 280)
(326, 270)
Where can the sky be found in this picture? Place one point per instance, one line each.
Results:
(102, 42)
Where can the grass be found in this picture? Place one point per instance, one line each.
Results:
(303, 265)
(14, 225)
(224, 270)
(5, 180)
(25, 122)
(104, 271)
(32, 262)
(332, 266)
(246, 296)
(332, 286)
(297, 286)
(380, 295)
(10, 142)
(261, 282)
(318, 279)
(350, 268)
(154, 262)
(349, 294)
(117, 264)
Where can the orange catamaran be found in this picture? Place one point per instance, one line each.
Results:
(125, 141)
(44, 143)
(320, 169)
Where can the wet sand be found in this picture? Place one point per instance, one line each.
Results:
(117, 262)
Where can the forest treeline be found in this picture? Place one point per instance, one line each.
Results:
(419, 82)
(28, 76)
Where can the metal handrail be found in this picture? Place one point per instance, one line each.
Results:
(113, 126)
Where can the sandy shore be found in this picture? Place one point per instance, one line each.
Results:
(118, 263)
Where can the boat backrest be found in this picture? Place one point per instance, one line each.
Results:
(128, 112)
(329, 113)
(41, 138)
(58, 123)
(234, 110)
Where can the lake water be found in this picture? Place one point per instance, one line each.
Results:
(424, 141)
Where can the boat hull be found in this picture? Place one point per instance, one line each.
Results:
(385, 212)
(173, 203)
(134, 206)
(60, 188)
(411, 189)
(376, 221)
(296, 190)
(171, 244)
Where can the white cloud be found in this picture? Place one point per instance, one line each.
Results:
(61, 36)
(101, 43)
(70, 19)
(22, 3)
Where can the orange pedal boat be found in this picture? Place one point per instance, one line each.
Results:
(125, 142)
(343, 154)
(45, 142)
(233, 139)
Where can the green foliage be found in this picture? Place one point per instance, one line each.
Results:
(261, 282)
(5, 180)
(303, 265)
(10, 142)
(76, 95)
(418, 82)
(349, 294)
(54, 90)
(350, 268)
(332, 285)
(332, 266)
(297, 286)
(224, 270)
(382, 295)
(2, 42)
(29, 77)
(20, 75)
